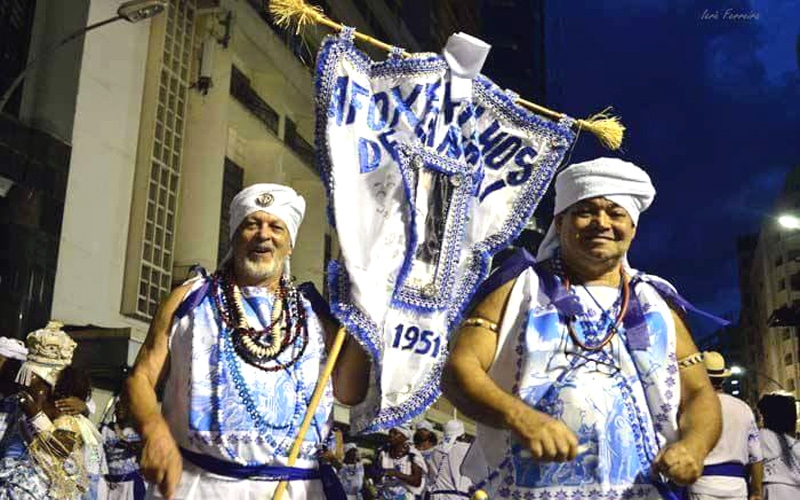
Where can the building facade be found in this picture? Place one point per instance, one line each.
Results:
(123, 150)
(769, 267)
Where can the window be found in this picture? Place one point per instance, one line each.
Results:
(790, 385)
(297, 144)
(787, 334)
(781, 284)
(153, 237)
(232, 183)
(242, 91)
(779, 261)
(793, 255)
(787, 360)
(795, 282)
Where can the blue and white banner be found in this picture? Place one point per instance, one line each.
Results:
(423, 190)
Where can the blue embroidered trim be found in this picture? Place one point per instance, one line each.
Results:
(561, 136)
(478, 257)
(434, 296)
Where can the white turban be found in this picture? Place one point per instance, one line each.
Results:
(350, 446)
(13, 349)
(407, 432)
(453, 430)
(281, 201)
(424, 425)
(619, 181)
(50, 350)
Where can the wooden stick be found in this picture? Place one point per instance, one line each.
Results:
(336, 348)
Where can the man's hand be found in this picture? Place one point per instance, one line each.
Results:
(71, 406)
(680, 462)
(548, 439)
(161, 462)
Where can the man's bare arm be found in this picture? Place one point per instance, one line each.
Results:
(465, 380)
(161, 461)
(351, 375)
(700, 414)
(700, 417)
(469, 387)
(151, 363)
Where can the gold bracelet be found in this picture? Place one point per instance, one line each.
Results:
(481, 323)
(691, 360)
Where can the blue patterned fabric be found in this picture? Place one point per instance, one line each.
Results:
(218, 405)
(120, 454)
(620, 402)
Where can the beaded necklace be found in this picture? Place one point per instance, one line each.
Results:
(611, 331)
(261, 348)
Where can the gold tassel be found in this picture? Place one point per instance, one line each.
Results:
(606, 127)
(286, 11)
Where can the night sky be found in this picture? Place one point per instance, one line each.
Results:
(712, 108)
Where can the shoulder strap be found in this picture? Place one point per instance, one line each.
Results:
(318, 303)
(512, 267)
(193, 299)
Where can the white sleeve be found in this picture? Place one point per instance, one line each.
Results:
(754, 452)
(91, 406)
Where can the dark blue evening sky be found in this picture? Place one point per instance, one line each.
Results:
(712, 108)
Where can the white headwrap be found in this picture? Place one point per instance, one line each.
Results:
(50, 350)
(13, 349)
(281, 201)
(453, 430)
(350, 446)
(619, 181)
(424, 425)
(407, 432)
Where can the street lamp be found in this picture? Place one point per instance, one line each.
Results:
(736, 370)
(788, 221)
(132, 11)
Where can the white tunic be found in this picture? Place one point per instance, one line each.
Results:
(444, 472)
(218, 405)
(781, 466)
(738, 443)
(620, 402)
(395, 489)
(352, 478)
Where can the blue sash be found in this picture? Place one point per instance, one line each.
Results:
(135, 476)
(448, 492)
(729, 469)
(330, 482)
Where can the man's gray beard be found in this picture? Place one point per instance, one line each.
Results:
(259, 272)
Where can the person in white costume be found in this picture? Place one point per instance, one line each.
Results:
(12, 354)
(735, 462)
(351, 472)
(780, 446)
(425, 439)
(577, 366)
(240, 353)
(444, 467)
(44, 451)
(403, 468)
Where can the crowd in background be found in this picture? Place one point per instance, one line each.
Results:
(49, 448)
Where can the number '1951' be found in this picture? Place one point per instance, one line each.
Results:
(412, 339)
